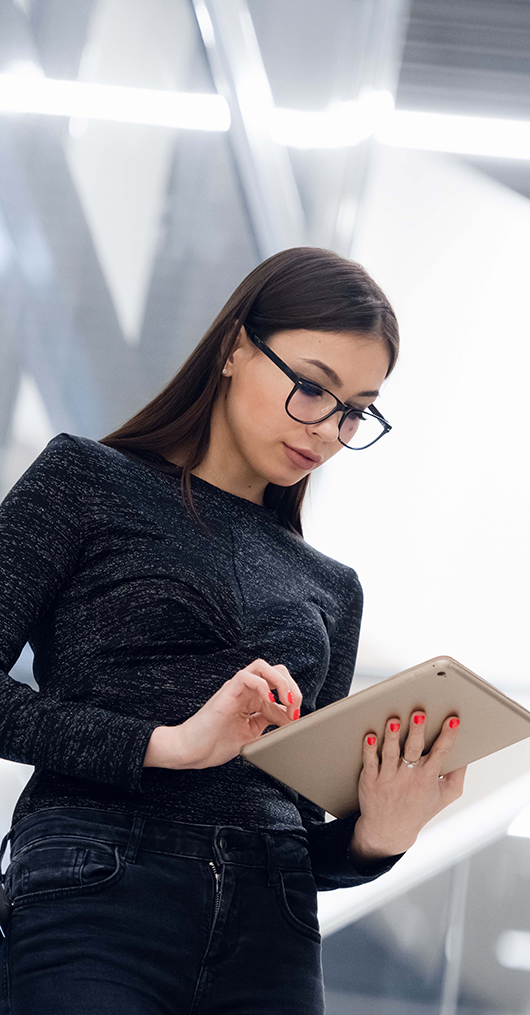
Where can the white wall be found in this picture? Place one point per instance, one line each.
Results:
(435, 516)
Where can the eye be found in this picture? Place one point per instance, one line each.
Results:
(310, 388)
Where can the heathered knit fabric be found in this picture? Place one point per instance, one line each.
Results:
(136, 616)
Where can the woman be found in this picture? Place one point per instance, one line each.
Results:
(175, 613)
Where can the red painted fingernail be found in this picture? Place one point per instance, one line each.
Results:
(454, 722)
(290, 698)
(271, 696)
(296, 713)
(394, 726)
(370, 740)
(419, 720)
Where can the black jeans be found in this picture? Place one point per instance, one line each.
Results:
(116, 914)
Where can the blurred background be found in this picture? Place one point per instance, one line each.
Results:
(151, 154)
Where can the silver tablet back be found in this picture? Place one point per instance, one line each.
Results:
(320, 755)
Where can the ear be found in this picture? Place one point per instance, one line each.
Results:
(242, 341)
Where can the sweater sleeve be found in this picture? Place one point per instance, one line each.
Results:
(328, 841)
(41, 541)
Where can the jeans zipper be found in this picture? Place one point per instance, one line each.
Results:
(217, 888)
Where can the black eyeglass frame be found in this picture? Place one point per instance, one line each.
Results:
(339, 406)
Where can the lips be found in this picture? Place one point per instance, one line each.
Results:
(307, 454)
(301, 458)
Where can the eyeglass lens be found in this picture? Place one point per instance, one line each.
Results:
(310, 403)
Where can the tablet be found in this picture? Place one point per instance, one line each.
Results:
(320, 754)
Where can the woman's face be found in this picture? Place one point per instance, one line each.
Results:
(257, 427)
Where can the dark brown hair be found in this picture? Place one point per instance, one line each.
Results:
(302, 287)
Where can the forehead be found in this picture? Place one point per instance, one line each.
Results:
(343, 356)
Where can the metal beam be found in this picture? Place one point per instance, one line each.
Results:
(264, 168)
(376, 67)
(454, 941)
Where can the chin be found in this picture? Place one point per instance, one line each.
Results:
(284, 481)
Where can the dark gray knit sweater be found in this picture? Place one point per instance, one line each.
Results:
(136, 616)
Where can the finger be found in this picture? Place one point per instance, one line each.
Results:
(391, 748)
(444, 743)
(415, 741)
(277, 680)
(245, 680)
(294, 695)
(370, 755)
(244, 692)
(278, 713)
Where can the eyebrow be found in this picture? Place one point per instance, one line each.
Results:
(336, 379)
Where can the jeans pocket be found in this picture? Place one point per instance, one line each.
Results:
(57, 865)
(296, 895)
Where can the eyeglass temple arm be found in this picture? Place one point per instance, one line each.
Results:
(271, 354)
(376, 412)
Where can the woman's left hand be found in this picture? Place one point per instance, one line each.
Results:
(396, 801)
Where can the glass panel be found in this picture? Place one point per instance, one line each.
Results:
(495, 963)
(456, 944)
(391, 961)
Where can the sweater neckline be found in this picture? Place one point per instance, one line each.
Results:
(214, 490)
(202, 485)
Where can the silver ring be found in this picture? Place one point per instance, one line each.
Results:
(410, 764)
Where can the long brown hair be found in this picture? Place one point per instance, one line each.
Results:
(302, 287)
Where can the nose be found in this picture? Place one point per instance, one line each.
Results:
(327, 429)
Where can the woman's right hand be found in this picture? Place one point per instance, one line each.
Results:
(235, 715)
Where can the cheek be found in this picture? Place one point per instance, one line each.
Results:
(257, 411)
(333, 450)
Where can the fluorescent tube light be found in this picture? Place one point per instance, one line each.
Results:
(21, 93)
(343, 125)
(464, 135)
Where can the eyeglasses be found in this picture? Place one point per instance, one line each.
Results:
(358, 428)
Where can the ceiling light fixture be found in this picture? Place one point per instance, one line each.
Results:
(461, 135)
(31, 93)
(342, 125)
(24, 89)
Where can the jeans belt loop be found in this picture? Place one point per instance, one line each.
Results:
(272, 865)
(133, 844)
